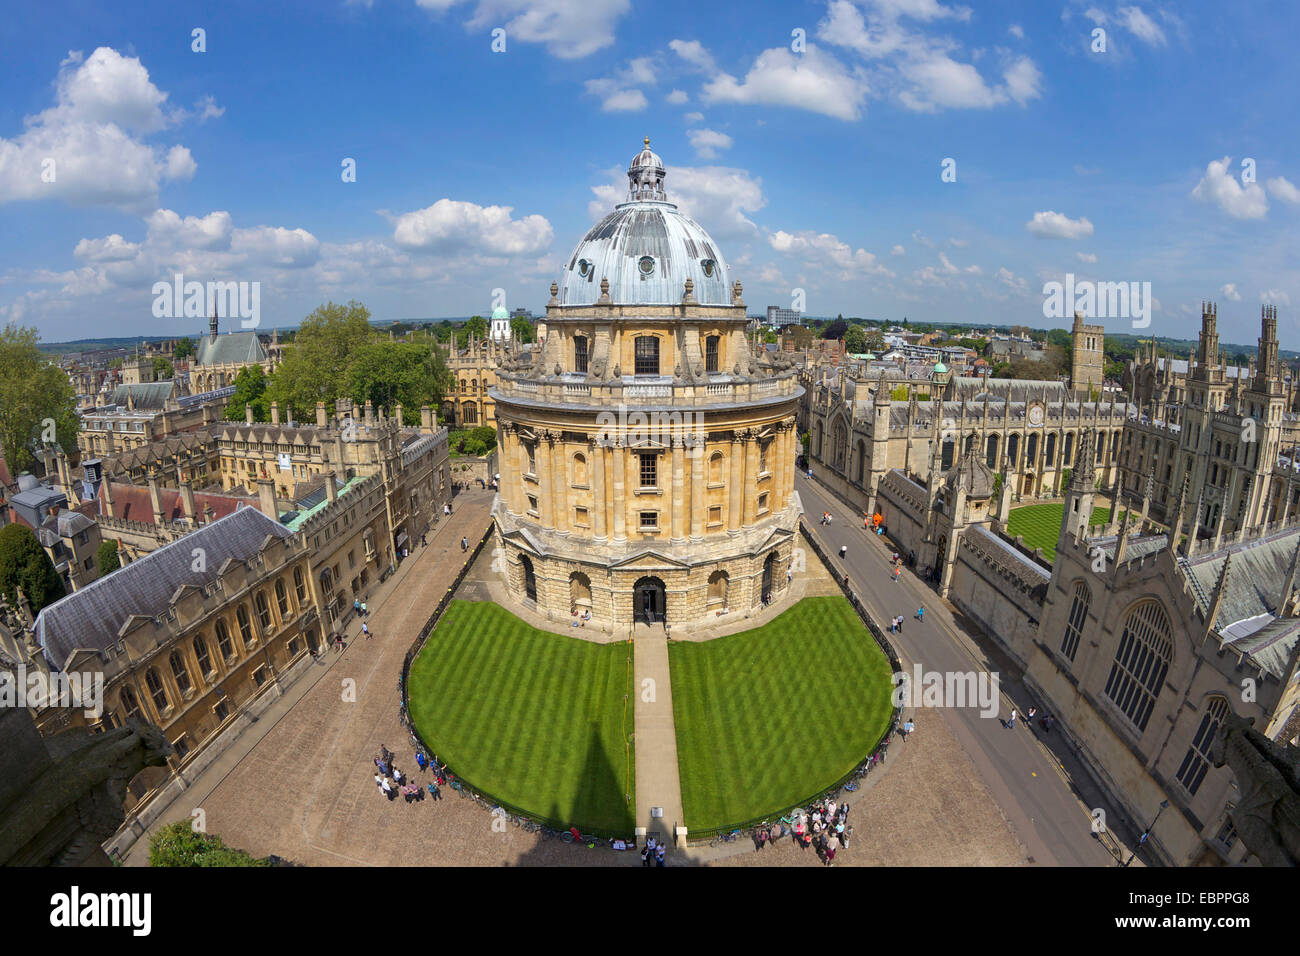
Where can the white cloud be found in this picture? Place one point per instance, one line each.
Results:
(1012, 281)
(1081, 170)
(707, 142)
(959, 243)
(570, 29)
(619, 93)
(1086, 256)
(1283, 189)
(694, 53)
(1274, 297)
(717, 197)
(897, 251)
(694, 117)
(168, 230)
(1055, 225)
(109, 249)
(1230, 292)
(1141, 26)
(814, 81)
(450, 224)
(1017, 31)
(923, 240)
(1224, 190)
(677, 97)
(828, 251)
(91, 140)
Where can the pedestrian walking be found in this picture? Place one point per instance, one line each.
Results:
(420, 761)
(920, 613)
(1029, 715)
(387, 788)
(661, 856)
(356, 607)
(832, 845)
(434, 791)
(365, 629)
(1012, 722)
(645, 855)
(365, 611)
(908, 727)
(900, 624)
(464, 544)
(844, 549)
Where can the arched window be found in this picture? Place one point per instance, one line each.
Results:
(1067, 460)
(991, 452)
(711, 353)
(862, 461)
(715, 467)
(718, 587)
(201, 655)
(327, 584)
(245, 626)
(156, 690)
(579, 469)
(1031, 450)
(1074, 623)
(282, 599)
(945, 455)
(1013, 451)
(1050, 453)
(263, 611)
(1197, 762)
(1141, 662)
(579, 590)
(224, 644)
(580, 353)
(299, 587)
(179, 671)
(468, 413)
(647, 355)
(131, 705)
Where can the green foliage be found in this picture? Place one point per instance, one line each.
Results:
(1065, 479)
(250, 389)
(184, 349)
(899, 394)
(162, 369)
(770, 337)
(33, 393)
(523, 329)
(317, 368)
(475, 325)
(835, 330)
(997, 484)
(390, 373)
(178, 845)
(474, 442)
(106, 557)
(24, 563)
(855, 340)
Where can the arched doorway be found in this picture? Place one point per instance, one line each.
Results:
(530, 578)
(769, 577)
(938, 559)
(649, 601)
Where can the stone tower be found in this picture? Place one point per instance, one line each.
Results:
(1087, 358)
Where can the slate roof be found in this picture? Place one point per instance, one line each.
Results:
(147, 396)
(91, 617)
(132, 503)
(231, 348)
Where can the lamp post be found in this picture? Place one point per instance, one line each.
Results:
(1147, 833)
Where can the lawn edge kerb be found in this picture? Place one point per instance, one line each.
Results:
(610, 667)
(693, 755)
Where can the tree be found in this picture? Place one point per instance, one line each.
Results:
(250, 389)
(184, 349)
(1060, 337)
(770, 337)
(37, 401)
(106, 557)
(523, 329)
(316, 368)
(24, 563)
(162, 369)
(476, 326)
(177, 844)
(855, 340)
(388, 373)
(835, 330)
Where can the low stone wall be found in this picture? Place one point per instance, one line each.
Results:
(902, 503)
(465, 469)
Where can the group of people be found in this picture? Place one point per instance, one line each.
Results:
(392, 781)
(579, 619)
(826, 829)
(654, 851)
(1045, 723)
(826, 517)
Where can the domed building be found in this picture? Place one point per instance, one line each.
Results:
(646, 448)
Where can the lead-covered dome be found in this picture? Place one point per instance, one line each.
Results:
(646, 249)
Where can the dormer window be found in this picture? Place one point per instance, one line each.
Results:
(708, 265)
(646, 264)
(584, 269)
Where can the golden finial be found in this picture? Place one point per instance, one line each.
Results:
(647, 142)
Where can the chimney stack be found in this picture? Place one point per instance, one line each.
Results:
(275, 413)
(266, 498)
(108, 497)
(248, 414)
(370, 413)
(426, 418)
(156, 500)
(321, 420)
(399, 414)
(187, 503)
(331, 490)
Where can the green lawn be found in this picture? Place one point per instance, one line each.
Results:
(538, 720)
(767, 717)
(1040, 525)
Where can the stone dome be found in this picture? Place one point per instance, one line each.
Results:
(971, 474)
(646, 249)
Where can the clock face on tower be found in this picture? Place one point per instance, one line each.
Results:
(1036, 414)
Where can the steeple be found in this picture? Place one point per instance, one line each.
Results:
(212, 326)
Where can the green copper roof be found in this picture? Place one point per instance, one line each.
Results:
(301, 518)
(940, 367)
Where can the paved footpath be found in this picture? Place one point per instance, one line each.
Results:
(1037, 781)
(657, 780)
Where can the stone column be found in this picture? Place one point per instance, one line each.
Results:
(632, 481)
(680, 517)
(618, 506)
(598, 502)
(560, 481)
(699, 509)
(737, 480)
(547, 480)
(750, 495)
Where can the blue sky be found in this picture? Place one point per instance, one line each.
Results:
(817, 169)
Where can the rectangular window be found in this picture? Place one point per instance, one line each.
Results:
(649, 471)
(580, 353)
(182, 745)
(532, 505)
(711, 354)
(715, 514)
(352, 559)
(762, 504)
(647, 355)
(532, 459)
(580, 516)
(259, 676)
(649, 520)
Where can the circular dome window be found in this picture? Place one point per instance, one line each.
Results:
(584, 268)
(646, 265)
(708, 265)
